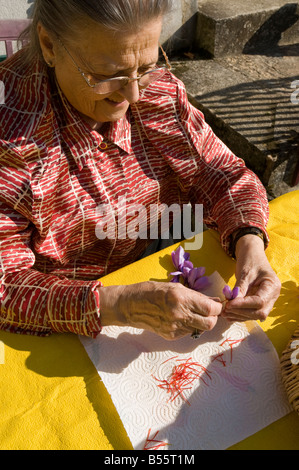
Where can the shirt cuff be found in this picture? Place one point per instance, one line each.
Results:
(74, 306)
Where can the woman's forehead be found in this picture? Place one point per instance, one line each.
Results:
(120, 50)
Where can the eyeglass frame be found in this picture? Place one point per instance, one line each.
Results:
(128, 79)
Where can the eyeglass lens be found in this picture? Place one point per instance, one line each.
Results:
(112, 85)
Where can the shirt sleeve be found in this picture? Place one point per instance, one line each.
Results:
(231, 194)
(33, 302)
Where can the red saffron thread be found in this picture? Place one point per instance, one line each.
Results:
(186, 372)
(150, 440)
(182, 378)
(219, 358)
(231, 342)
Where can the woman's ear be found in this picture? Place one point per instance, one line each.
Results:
(47, 45)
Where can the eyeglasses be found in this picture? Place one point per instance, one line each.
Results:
(110, 85)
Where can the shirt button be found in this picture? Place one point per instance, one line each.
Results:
(103, 145)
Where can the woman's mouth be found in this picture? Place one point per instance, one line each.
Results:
(115, 103)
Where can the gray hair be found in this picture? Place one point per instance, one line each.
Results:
(63, 18)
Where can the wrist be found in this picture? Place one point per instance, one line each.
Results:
(245, 233)
(111, 306)
(250, 245)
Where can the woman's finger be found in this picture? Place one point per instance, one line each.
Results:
(200, 304)
(202, 323)
(241, 315)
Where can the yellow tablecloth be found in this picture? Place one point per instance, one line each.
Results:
(52, 397)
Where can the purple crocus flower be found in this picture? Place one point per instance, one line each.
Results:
(193, 277)
(181, 262)
(230, 294)
(179, 257)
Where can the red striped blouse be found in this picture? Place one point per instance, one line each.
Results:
(55, 173)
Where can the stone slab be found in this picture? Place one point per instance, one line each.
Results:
(234, 27)
(252, 103)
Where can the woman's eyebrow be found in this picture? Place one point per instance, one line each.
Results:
(113, 70)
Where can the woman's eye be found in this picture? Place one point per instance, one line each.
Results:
(146, 69)
(99, 78)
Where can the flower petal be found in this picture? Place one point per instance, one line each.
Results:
(188, 264)
(176, 256)
(186, 271)
(201, 283)
(186, 256)
(192, 277)
(180, 257)
(235, 292)
(201, 271)
(227, 292)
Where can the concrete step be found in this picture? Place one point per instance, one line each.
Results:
(252, 104)
(235, 27)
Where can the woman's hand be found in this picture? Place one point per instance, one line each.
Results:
(259, 285)
(168, 309)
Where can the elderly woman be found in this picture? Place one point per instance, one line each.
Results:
(90, 117)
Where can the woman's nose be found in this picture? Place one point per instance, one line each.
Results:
(130, 91)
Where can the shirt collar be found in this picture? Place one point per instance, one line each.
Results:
(119, 133)
(81, 140)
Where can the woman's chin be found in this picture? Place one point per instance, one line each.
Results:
(111, 111)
